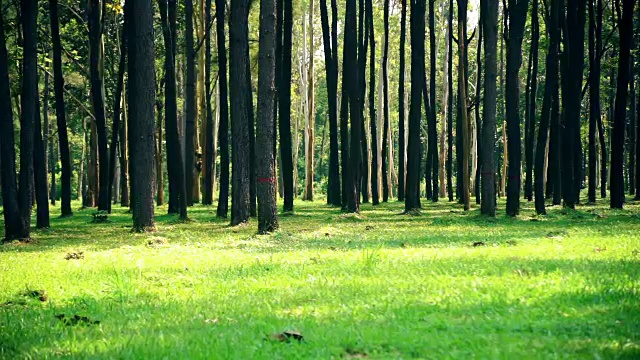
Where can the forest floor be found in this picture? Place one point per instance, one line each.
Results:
(445, 284)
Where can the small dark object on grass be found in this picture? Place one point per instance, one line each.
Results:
(74, 256)
(286, 336)
(333, 248)
(534, 219)
(403, 244)
(76, 319)
(368, 227)
(36, 294)
(512, 242)
(100, 217)
(478, 243)
(599, 249)
(156, 242)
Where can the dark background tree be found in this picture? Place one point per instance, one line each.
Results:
(517, 13)
(489, 13)
(284, 110)
(619, 123)
(223, 131)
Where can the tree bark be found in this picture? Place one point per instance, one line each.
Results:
(13, 226)
(310, 123)
(515, 32)
(223, 129)
(401, 106)
(331, 68)
(546, 116)
(617, 145)
(97, 98)
(530, 120)
(61, 120)
(412, 195)
(284, 103)
(267, 208)
(240, 91)
(142, 127)
(572, 60)
(375, 180)
(350, 83)
(433, 123)
(489, 21)
(449, 166)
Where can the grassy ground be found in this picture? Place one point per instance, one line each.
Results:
(382, 285)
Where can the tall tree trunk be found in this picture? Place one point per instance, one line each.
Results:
(331, 68)
(61, 120)
(223, 130)
(49, 132)
(284, 103)
(632, 128)
(310, 123)
(375, 176)
(515, 32)
(29, 107)
(450, 106)
(546, 116)
(13, 227)
(571, 60)
(142, 128)
(350, 82)
(464, 126)
(363, 42)
(433, 130)
(40, 173)
(124, 146)
(190, 99)
(617, 145)
(159, 140)
(116, 108)
(594, 102)
(412, 195)
(531, 109)
(477, 147)
(267, 208)
(208, 165)
(444, 116)
(489, 21)
(96, 68)
(401, 107)
(240, 94)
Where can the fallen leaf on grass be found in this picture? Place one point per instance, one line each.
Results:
(478, 243)
(599, 249)
(287, 336)
(76, 320)
(74, 256)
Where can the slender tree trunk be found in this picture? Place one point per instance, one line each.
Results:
(515, 32)
(450, 106)
(267, 208)
(40, 173)
(571, 60)
(531, 110)
(477, 148)
(489, 21)
(190, 99)
(61, 120)
(331, 67)
(13, 228)
(310, 123)
(350, 83)
(433, 130)
(97, 99)
(208, 165)
(142, 129)
(284, 103)
(240, 94)
(159, 140)
(223, 130)
(401, 107)
(444, 116)
(124, 147)
(632, 128)
(53, 154)
(464, 126)
(116, 109)
(412, 195)
(546, 116)
(375, 176)
(617, 145)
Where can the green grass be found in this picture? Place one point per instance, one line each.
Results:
(382, 285)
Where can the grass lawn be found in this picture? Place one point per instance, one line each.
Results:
(379, 286)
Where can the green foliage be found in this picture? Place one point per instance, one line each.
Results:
(381, 286)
